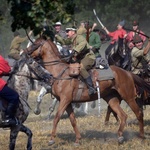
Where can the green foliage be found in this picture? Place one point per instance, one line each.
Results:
(33, 13)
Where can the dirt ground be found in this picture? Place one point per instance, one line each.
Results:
(95, 134)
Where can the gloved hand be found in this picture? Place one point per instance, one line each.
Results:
(74, 53)
(47, 77)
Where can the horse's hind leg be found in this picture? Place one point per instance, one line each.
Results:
(109, 111)
(115, 105)
(139, 114)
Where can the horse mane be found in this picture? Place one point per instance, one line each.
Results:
(140, 82)
(54, 48)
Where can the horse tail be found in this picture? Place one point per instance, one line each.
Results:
(140, 82)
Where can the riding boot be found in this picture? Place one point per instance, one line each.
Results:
(90, 85)
(10, 119)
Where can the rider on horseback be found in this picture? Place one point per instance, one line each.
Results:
(8, 94)
(83, 54)
(119, 33)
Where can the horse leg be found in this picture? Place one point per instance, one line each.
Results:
(43, 91)
(14, 133)
(52, 107)
(139, 114)
(109, 111)
(28, 132)
(60, 111)
(85, 105)
(73, 123)
(115, 106)
(13, 136)
(93, 105)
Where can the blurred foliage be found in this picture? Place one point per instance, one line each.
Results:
(34, 13)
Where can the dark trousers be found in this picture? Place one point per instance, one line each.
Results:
(108, 50)
(10, 95)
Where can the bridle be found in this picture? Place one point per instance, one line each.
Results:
(38, 47)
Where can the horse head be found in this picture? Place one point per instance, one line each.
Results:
(40, 48)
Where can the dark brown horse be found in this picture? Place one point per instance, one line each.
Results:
(65, 88)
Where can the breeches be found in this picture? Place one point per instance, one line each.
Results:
(86, 64)
(9, 95)
(14, 54)
(108, 50)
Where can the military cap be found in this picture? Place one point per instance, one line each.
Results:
(16, 33)
(71, 29)
(58, 24)
(122, 23)
(135, 23)
(137, 39)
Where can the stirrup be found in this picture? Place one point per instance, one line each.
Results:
(10, 122)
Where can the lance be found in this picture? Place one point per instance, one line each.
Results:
(98, 18)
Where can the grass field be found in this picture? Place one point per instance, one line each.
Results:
(95, 135)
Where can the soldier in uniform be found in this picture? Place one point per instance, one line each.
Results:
(94, 41)
(131, 34)
(139, 54)
(61, 40)
(140, 59)
(86, 57)
(16, 44)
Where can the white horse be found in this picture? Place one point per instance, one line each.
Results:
(19, 80)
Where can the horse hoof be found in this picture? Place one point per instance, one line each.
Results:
(76, 144)
(51, 142)
(37, 111)
(121, 140)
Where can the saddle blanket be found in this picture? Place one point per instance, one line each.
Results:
(105, 74)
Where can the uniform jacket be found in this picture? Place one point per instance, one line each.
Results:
(137, 59)
(117, 34)
(16, 42)
(94, 40)
(4, 69)
(80, 44)
(130, 36)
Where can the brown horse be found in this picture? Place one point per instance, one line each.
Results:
(142, 100)
(65, 88)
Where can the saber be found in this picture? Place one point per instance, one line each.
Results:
(98, 18)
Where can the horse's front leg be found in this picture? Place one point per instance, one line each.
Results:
(13, 135)
(43, 91)
(28, 132)
(73, 123)
(60, 111)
